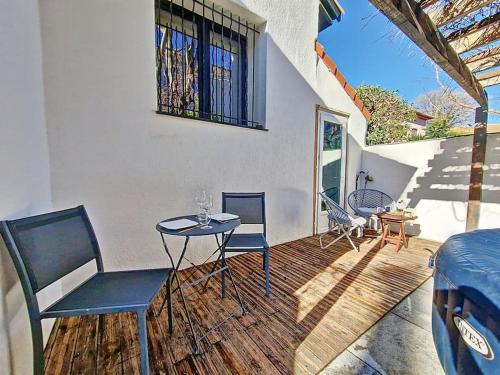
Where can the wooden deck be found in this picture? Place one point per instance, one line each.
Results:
(321, 301)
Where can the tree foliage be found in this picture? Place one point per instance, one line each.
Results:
(389, 115)
(439, 126)
(455, 105)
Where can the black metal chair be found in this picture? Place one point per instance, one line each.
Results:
(44, 248)
(251, 208)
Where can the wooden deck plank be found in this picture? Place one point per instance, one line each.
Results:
(85, 356)
(109, 350)
(320, 302)
(63, 350)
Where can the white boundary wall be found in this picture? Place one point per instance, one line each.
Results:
(433, 176)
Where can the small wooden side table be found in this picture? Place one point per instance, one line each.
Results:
(397, 218)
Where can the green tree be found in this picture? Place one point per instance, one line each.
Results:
(439, 126)
(390, 115)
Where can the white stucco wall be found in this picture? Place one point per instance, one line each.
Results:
(433, 176)
(24, 162)
(132, 167)
(334, 96)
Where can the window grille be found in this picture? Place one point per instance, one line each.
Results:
(205, 63)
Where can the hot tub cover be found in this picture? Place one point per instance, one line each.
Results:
(471, 262)
(466, 303)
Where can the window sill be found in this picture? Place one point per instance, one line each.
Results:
(257, 127)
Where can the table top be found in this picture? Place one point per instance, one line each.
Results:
(197, 231)
(395, 216)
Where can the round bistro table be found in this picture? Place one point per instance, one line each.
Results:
(225, 229)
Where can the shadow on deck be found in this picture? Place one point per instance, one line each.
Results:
(321, 301)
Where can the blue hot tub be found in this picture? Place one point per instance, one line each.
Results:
(466, 305)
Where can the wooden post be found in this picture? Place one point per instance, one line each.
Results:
(477, 168)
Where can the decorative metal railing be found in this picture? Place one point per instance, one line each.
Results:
(205, 63)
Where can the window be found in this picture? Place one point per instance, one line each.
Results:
(203, 66)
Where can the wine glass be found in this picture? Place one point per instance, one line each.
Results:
(204, 214)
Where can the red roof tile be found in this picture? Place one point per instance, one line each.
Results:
(332, 67)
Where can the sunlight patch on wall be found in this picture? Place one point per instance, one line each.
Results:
(449, 186)
(457, 168)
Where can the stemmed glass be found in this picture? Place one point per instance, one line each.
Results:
(205, 203)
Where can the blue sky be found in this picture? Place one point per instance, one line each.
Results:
(368, 49)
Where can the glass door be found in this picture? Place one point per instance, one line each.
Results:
(331, 163)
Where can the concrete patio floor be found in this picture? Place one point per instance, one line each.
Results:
(400, 343)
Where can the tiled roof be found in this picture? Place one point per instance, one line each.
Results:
(320, 50)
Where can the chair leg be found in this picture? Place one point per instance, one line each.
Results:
(101, 327)
(223, 283)
(37, 337)
(266, 270)
(170, 307)
(323, 247)
(143, 341)
(352, 243)
(263, 261)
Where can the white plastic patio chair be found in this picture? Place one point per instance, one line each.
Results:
(340, 219)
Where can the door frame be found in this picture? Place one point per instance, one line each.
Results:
(321, 108)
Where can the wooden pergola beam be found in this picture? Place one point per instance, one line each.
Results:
(483, 60)
(477, 169)
(455, 10)
(489, 78)
(482, 54)
(418, 26)
(476, 40)
(427, 3)
(474, 28)
(486, 63)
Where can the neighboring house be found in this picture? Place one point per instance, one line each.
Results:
(417, 127)
(241, 100)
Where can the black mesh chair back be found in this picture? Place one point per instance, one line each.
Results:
(250, 207)
(50, 246)
(369, 198)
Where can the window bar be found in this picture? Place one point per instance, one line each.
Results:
(231, 69)
(245, 101)
(175, 71)
(159, 47)
(223, 68)
(183, 56)
(193, 63)
(171, 74)
(203, 56)
(221, 14)
(163, 70)
(253, 77)
(214, 64)
(238, 100)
